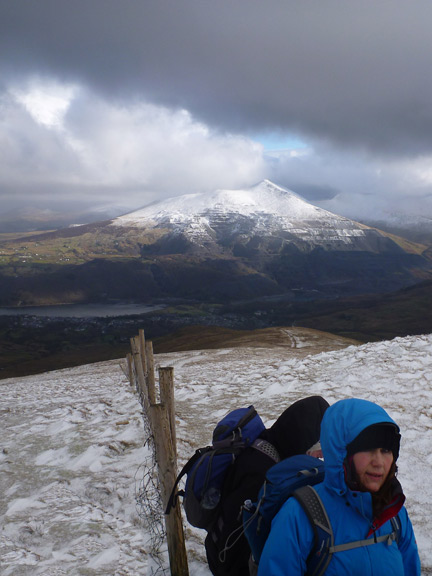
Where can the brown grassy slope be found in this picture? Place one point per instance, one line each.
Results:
(203, 338)
(38, 358)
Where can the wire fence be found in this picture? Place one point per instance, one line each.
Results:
(149, 509)
(156, 475)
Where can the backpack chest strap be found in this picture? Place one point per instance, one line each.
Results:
(388, 538)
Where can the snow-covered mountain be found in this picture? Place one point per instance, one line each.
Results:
(263, 210)
(215, 246)
(74, 456)
(260, 201)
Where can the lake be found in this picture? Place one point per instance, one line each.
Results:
(81, 310)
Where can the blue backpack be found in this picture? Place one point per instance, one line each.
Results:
(296, 477)
(281, 482)
(207, 468)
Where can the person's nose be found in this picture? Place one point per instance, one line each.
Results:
(377, 458)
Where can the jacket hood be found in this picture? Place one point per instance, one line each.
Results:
(298, 428)
(341, 424)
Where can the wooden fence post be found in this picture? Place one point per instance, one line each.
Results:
(130, 369)
(161, 417)
(140, 376)
(167, 474)
(166, 385)
(142, 350)
(150, 371)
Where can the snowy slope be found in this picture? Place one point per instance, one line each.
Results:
(264, 208)
(72, 444)
(264, 198)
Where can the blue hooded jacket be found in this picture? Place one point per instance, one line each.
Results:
(350, 512)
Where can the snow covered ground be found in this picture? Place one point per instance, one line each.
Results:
(72, 445)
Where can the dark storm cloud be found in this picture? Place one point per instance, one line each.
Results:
(356, 74)
(131, 101)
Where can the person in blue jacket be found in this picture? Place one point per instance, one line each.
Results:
(360, 491)
(296, 431)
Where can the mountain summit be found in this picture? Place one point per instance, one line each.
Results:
(232, 217)
(226, 245)
(261, 200)
(266, 240)
(263, 210)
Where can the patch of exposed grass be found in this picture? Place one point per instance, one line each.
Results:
(407, 245)
(71, 247)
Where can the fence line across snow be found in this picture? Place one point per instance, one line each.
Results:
(161, 418)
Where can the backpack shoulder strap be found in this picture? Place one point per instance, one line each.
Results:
(266, 448)
(395, 522)
(322, 550)
(324, 546)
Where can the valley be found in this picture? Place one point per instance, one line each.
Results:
(34, 344)
(212, 263)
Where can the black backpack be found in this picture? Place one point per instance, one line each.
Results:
(206, 470)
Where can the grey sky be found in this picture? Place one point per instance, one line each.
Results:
(157, 98)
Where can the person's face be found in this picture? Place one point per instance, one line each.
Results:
(372, 467)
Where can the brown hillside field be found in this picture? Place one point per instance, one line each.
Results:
(303, 341)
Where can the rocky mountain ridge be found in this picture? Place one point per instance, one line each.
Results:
(227, 217)
(226, 245)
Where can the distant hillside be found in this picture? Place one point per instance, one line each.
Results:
(365, 318)
(33, 344)
(403, 313)
(229, 245)
(415, 228)
(33, 219)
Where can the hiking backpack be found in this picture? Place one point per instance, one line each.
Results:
(296, 476)
(207, 468)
